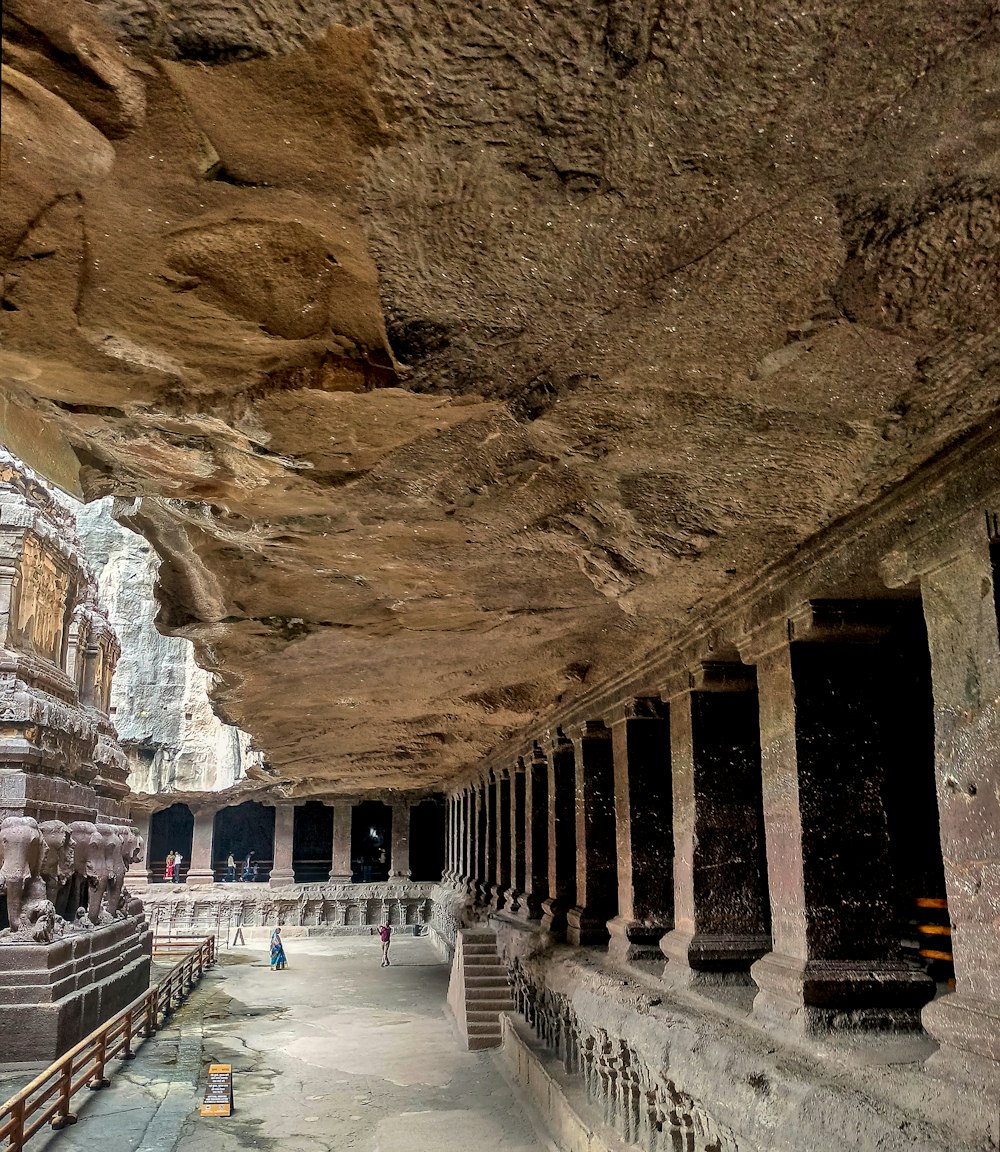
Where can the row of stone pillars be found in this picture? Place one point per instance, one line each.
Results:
(737, 821)
(202, 871)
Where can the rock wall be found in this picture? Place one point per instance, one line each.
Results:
(160, 697)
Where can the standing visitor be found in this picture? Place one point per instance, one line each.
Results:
(278, 960)
(230, 868)
(168, 871)
(385, 935)
(177, 868)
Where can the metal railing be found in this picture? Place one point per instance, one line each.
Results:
(46, 1100)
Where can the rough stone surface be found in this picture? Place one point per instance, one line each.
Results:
(160, 697)
(458, 351)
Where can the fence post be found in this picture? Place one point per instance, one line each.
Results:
(100, 1080)
(17, 1115)
(63, 1115)
(127, 1053)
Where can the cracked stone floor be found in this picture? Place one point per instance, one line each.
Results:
(333, 1053)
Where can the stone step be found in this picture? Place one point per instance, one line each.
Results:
(479, 1043)
(487, 1017)
(479, 938)
(481, 977)
(487, 993)
(484, 962)
(484, 1028)
(480, 950)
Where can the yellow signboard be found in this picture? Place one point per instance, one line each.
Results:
(219, 1093)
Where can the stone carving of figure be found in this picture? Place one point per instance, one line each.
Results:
(114, 863)
(130, 849)
(38, 914)
(57, 859)
(91, 872)
(20, 861)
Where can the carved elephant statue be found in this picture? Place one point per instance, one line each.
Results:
(130, 849)
(20, 861)
(90, 871)
(57, 859)
(111, 844)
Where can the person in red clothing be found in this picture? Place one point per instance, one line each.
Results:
(385, 935)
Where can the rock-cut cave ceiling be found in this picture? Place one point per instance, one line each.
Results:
(463, 351)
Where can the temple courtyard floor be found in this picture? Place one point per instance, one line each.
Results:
(333, 1053)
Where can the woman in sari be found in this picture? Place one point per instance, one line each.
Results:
(277, 951)
(168, 871)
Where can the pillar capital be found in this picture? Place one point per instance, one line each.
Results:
(636, 708)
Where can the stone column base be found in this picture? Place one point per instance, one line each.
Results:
(497, 897)
(340, 877)
(281, 879)
(529, 907)
(206, 877)
(553, 916)
(816, 996)
(586, 927)
(633, 940)
(968, 1031)
(700, 959)
(514, 901)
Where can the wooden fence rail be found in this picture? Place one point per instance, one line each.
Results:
(46, 1100)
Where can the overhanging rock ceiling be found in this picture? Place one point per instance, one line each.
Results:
(463, 352)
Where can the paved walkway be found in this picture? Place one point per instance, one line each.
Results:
(334, 1053)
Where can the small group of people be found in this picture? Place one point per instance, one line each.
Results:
(172, 869)
(280, 961)
(249, 872)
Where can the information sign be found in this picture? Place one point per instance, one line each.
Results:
(219, 1093)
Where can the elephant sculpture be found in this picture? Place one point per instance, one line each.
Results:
(38, 914)
(57, 859)
(91, 873)
(114, 864)
(130, 849)
(20, 862)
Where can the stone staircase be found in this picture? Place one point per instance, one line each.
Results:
(478, 991)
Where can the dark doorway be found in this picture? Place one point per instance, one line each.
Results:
(371, 829)
(247, 831)
(427, 839)
(312, 842)
(171, 830)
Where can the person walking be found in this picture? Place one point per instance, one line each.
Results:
(278, 960)
(385, 935)
(231, 868)
(168, 870)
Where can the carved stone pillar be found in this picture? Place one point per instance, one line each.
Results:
(561, 788)
(722, 920)
(516, 840)
(640, 745)
(284, 828)
(140, 875)
(343, 822)
(400, 839)
(202, 870)
(959, 589)
(500, 888)
(596, 855)
(835, 942)
(536, 835)
(451, 826)
(462, 879)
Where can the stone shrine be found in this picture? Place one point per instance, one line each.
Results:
(74, 946)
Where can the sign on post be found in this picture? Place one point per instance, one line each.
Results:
(219, 1093)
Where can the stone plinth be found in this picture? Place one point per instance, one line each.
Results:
(52, 995)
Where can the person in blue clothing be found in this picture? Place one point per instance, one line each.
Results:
(278, 960)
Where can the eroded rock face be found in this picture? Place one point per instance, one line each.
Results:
(459, 352)
(160, 697)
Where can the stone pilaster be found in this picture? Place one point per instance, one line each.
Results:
(959, 589)
(202, 870)
(561, 788)
(835, 942)
(721, 906)
(536, 835)
(640, 745)
(343, 824)
(500, 889)
(596, 856)
(284, 829)
(517, 838)
(400, 861)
